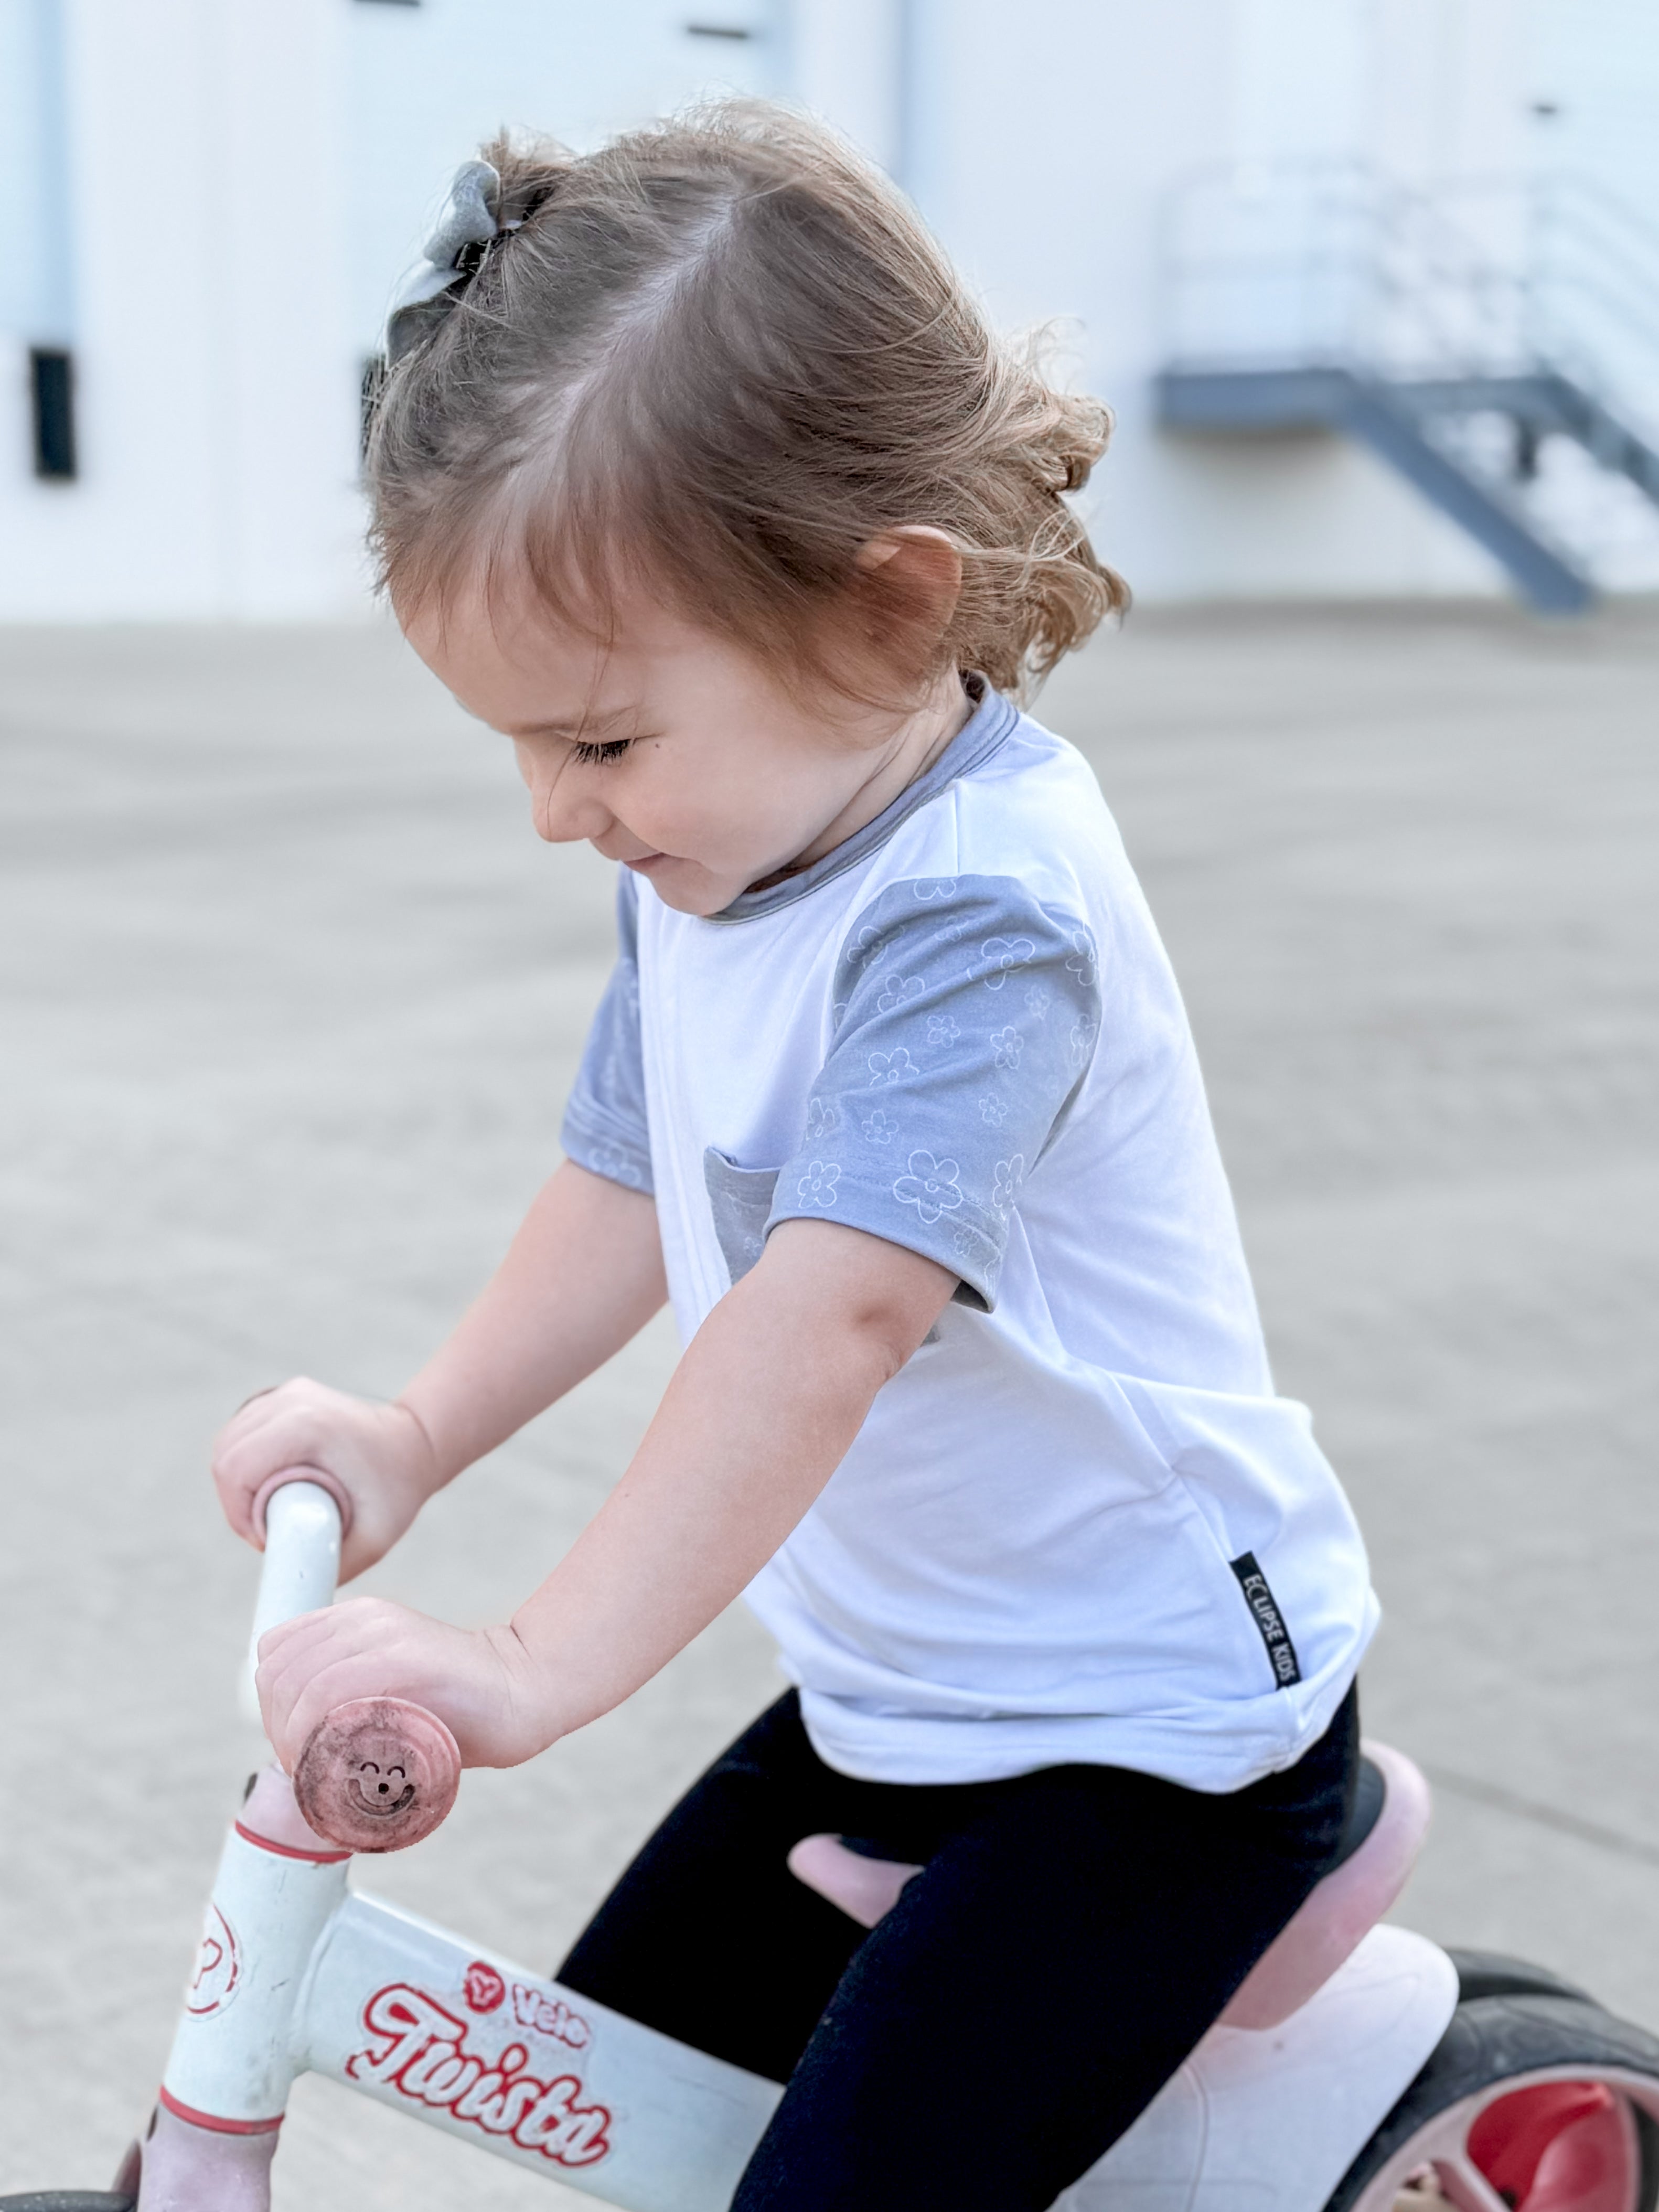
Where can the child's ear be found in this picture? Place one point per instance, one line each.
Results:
(910, 580)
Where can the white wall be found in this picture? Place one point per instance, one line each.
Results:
(1051, 141)
(848, 60)
(428, 85)
(217, 427)
(1595, 62)
(35, 289)
(245, 181)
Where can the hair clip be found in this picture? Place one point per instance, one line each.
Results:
(469, 221)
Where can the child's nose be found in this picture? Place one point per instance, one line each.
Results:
(564, 813)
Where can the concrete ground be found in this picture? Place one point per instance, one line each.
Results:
(293, 998)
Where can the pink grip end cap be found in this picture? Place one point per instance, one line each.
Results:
(377, 1775)
(319, 1475)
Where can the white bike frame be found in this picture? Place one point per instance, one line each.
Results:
(296, 1973)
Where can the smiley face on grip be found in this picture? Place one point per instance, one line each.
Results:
(377, 1775)
(381, 1796)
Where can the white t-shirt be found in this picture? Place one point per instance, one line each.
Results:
(1079, 1525)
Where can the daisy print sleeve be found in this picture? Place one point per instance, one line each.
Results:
(605, 1126)
(966, 1013)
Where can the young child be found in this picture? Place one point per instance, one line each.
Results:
(697, 475)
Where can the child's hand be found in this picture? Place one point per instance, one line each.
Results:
(379, 1451)
(481, 1681)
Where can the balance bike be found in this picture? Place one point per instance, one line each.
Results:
(1359, 2068)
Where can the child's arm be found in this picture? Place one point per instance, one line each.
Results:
(582, 1276)
(768, 1396)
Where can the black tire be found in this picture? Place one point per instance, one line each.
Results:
(1491, 2041)
(69, 2199)
(1495, 1974)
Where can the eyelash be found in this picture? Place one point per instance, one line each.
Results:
(592, 756)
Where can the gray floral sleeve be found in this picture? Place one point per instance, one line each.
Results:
(966, 1017)
(605, 1123)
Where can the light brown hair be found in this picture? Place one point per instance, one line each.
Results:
(717, 358)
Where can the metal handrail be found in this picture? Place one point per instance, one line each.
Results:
(1326, 257)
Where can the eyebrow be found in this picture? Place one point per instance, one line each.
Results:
(581, 725)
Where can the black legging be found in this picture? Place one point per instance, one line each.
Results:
(1073, 1933)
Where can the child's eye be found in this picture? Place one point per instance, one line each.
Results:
(591, 755)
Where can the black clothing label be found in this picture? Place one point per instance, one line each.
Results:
(1281, 1652)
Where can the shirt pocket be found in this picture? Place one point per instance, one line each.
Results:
(740, 1200)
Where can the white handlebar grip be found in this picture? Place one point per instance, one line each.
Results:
(302, 1523)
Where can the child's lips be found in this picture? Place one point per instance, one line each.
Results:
(645, 861)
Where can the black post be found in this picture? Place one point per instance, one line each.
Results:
(52, 389)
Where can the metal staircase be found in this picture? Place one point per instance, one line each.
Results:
(1455, 338)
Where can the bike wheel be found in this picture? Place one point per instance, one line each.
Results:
(1495, 1974)
(1528, 2104)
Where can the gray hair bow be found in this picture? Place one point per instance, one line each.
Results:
(470, 220)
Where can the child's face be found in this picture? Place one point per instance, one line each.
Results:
(671, 750)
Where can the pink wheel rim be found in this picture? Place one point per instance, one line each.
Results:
(1565, 2139)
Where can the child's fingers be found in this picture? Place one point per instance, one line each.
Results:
(255, 1413)
(371, 1648)
(288, 1656)
(300, 1399)
(255, 1398)
(308, 1666)
(359, 1624)
(279, 1429)
(238, 1474)
(285, 1440)
(295, 1704)
(288, 1642)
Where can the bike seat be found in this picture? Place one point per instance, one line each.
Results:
(1379, 1847)
(863, 1887)
(1384, 1835)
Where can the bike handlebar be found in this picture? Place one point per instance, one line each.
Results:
(303, 1526)
(377, 1774)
